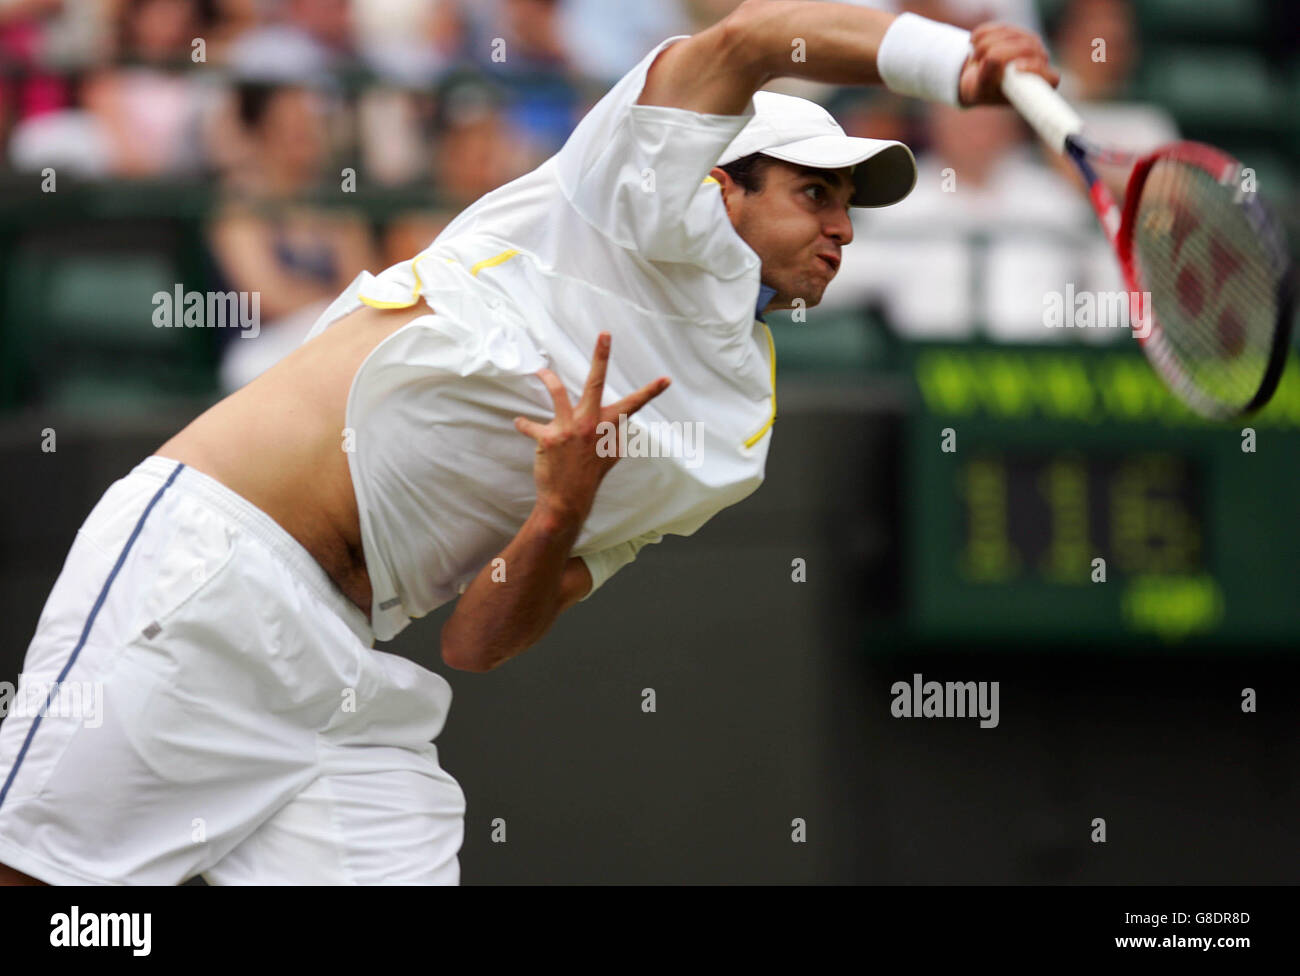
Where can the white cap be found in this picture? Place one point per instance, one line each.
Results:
(798, 131)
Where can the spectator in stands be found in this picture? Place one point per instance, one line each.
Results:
(476, 150)
(1096, 44)
(30, 90)
(603, 40)
(232, 19)
(153, 102)
(988, 231)
(520, 45)
(72, 141)
(137, 118)
(877, 115)
(410, 41)
(304, 41)
(268, 239)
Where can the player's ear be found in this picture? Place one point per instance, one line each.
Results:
(727, 186)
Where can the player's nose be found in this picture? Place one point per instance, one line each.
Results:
(839, 227)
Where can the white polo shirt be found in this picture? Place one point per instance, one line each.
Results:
(619, 231)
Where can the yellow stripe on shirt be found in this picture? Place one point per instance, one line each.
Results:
(415, 292)
(772, 419)
(492, 262)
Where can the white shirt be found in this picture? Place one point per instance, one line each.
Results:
(619, 231)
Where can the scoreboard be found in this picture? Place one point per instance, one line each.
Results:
(1063, 494)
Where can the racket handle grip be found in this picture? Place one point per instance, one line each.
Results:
(1050, 114)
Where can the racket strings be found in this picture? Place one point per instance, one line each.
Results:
(1214, 284)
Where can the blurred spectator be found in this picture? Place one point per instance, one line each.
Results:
(304, 41)
(392, 133)
(410, 233)
(74, 140)
(516, 36)
(520, 45)
(269, 240)
(1096, 45)
(152, 104)
(409, 41)
(477, 149)
(69, 141)
(231, 19)
(76, 33)
(139, 118)
(876, 114)
(27, 90)
(986, 234)
(605, 40)
(161, 32)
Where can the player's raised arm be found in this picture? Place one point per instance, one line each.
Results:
(719, 69)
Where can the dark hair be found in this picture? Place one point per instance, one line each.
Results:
(749, 172)
(252, 100)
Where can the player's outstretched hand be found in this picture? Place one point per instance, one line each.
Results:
(996, 46)
(568, 468)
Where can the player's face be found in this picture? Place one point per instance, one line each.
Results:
(796, 224)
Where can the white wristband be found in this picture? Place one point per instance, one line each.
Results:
(923, 58)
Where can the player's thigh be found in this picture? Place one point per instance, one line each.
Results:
(376, 815)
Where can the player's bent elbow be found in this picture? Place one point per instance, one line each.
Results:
(456, 665)
(471, 665)
(739, 41)
(457, 657)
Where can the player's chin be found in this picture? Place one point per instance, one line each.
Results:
(806, 292)
(812, 295)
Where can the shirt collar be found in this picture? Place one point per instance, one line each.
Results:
(765, 295)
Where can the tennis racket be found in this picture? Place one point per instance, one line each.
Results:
(1212, 258)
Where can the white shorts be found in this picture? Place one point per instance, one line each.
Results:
(200, 699)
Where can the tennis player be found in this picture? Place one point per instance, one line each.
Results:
(439, 435)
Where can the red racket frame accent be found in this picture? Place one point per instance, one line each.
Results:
(1218, 165)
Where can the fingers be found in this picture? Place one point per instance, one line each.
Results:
(995, 46)
(591, 394)
(559, 396)
(530, 427)
(633, 402)
(1040, 67)
(986, 79)
(595, 387)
